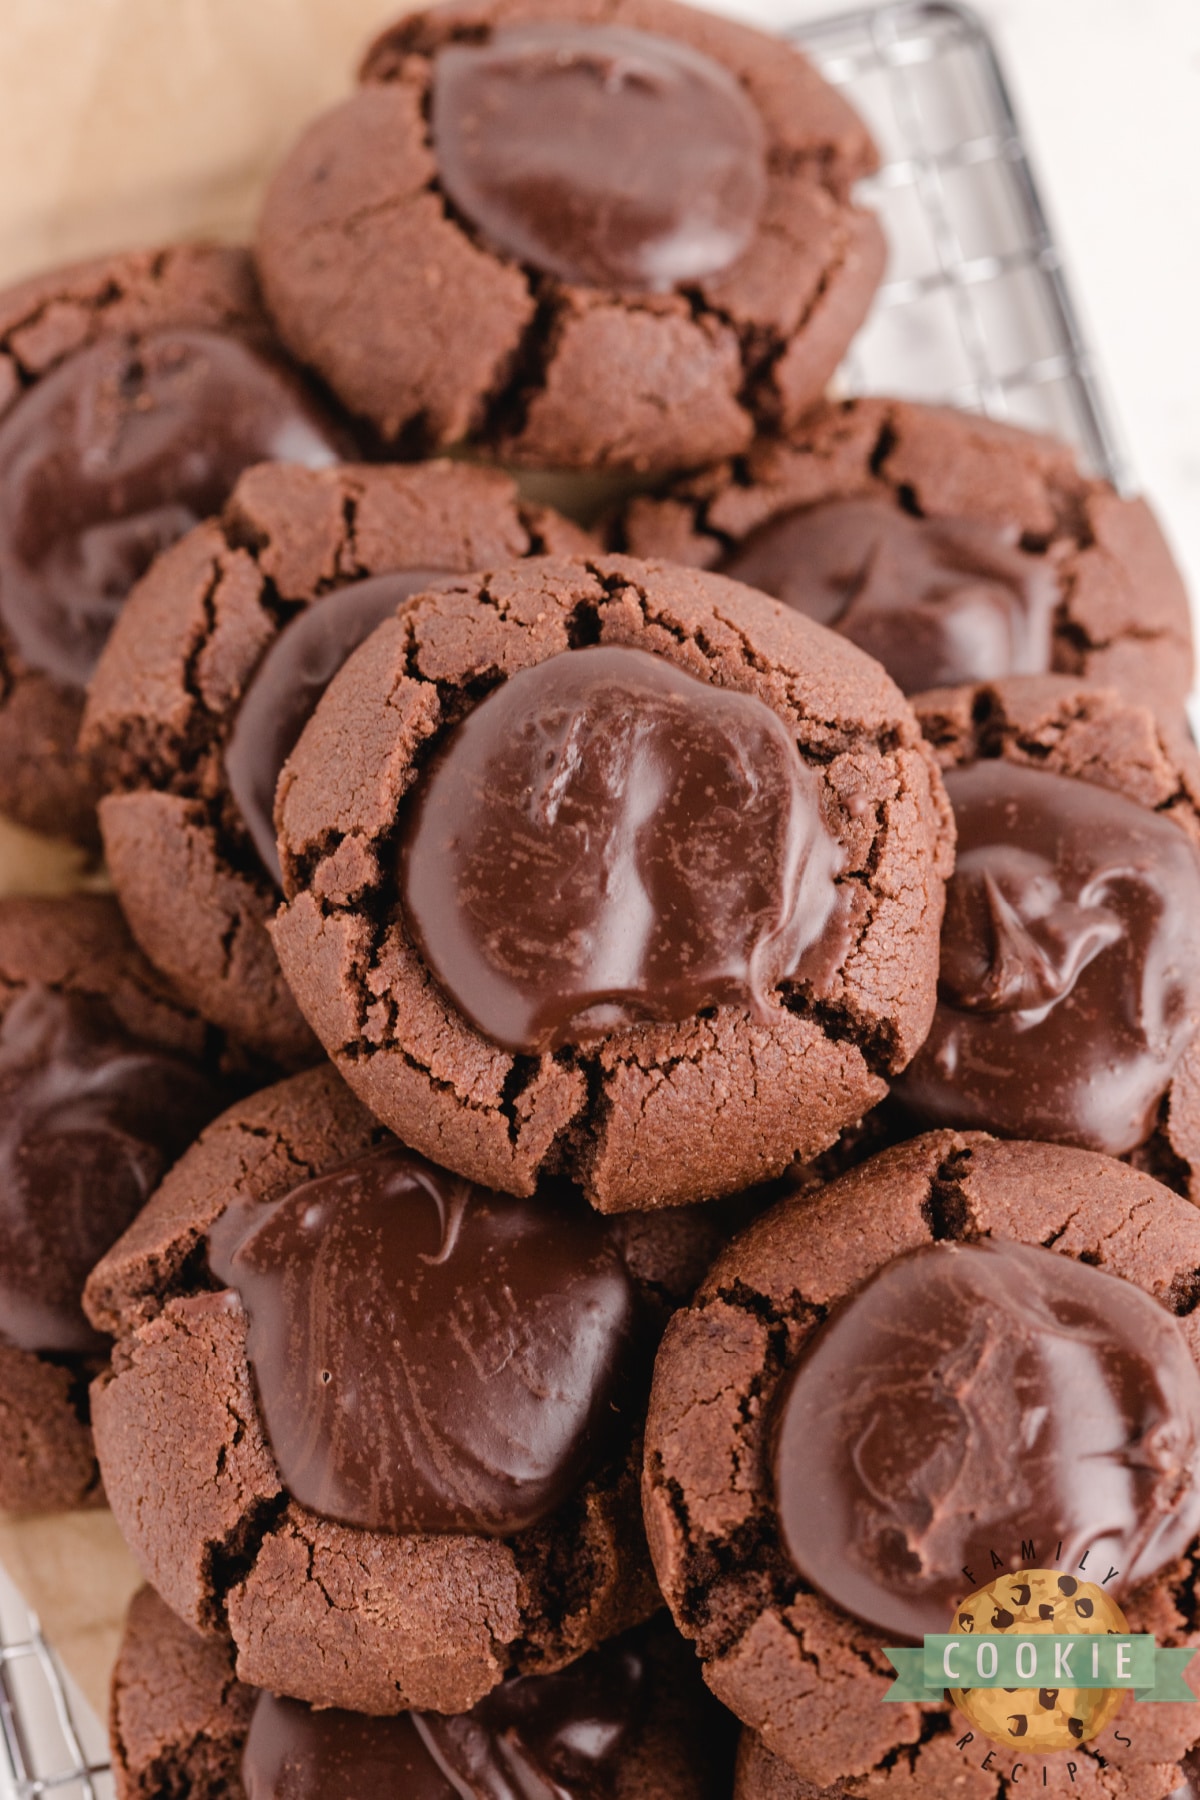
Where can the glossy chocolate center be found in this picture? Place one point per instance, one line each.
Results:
(1070, 963)
(90, 1120)
(970, 1397)
(113, 456)
(603, 155)
(430, 1356)
(936, 601)
(606, 840)
(295, 1753)
(538, 1737)
(284, 691)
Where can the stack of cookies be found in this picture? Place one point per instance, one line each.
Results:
(560, 1218)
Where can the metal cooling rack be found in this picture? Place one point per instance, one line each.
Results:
(976, 312)
(51, 1743)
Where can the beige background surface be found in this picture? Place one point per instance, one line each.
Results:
(77, 1575)
(127, 121)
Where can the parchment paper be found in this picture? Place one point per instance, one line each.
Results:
(77, 1575)
(126, 122)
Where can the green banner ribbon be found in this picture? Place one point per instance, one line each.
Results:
(1008, 1660)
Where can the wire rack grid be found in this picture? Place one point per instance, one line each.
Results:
(976, 312)
(52, 1745)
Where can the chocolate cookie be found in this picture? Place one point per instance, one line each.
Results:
(950, 1363)
(104, 1080)
(1069, 991)
(178, 1715)
(952, 548)
(1165, 1768)
(381, 1424)
(133, 392)
(215, 664)
(603, 234)
(630, 1721)
(615, 870)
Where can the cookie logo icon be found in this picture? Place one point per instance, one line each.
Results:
(1030, 1604)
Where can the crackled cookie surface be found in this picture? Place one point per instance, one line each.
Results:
(133, 392)
(380, 1424)
(1069, 986)
(220, 656)
(1158, 1764)
(594, 236)
(837, 1437)
(613, 870)
(629, 1721)
(105, 1079)
(953, 548)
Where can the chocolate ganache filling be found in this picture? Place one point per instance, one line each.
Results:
(535, 1737)
(1069, 984)
(936, 601)
(284, 690)
(90, 1121)
(115, 454)
(970, 1397)
(606, 156)
(605, 840)
(430, 1356)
